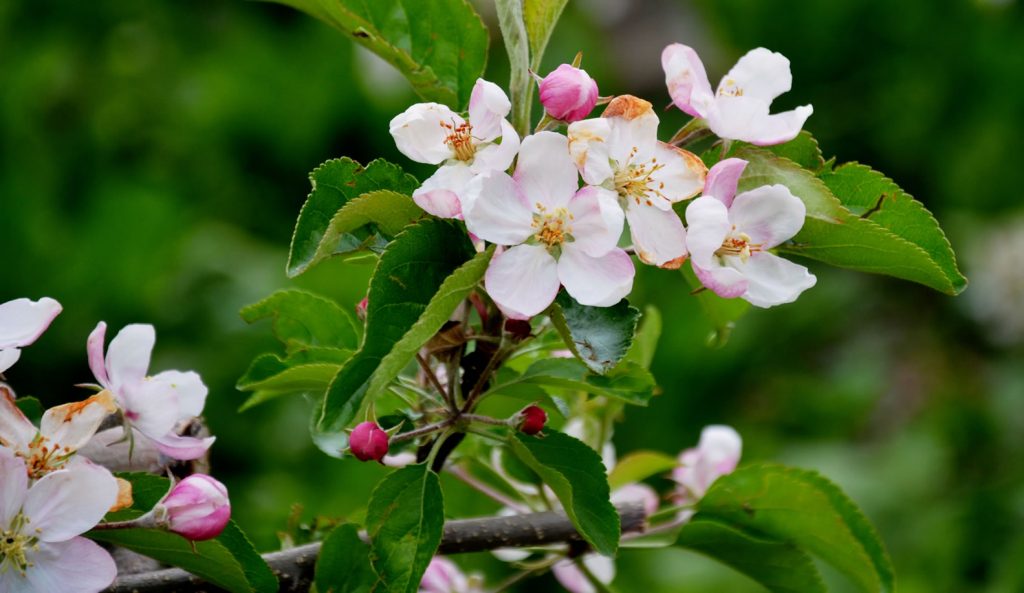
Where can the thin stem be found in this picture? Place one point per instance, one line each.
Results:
(432, 378)
(428, 429)
(484, 419)
(486, 490)
(438, 445)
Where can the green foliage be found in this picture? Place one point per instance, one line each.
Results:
(722, 313)
(575, 473)
(599, 336)
(802, 150)
(439, 45)
(540, 17)
(639, 465)
(628, 382)
(270, 376)
(335, 184)
(513, 32)
(31, 407)
(645, 343)
(405, 521)
(343, 565)
(303, 320)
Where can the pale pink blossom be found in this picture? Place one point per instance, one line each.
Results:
(197, 508)
(557, 234)
(739, 108)
(730, 237)
(434, 134)
(620, 152)
(715, 455)
(22, 321)
(444, 576)
(568, 93)
(573, 579)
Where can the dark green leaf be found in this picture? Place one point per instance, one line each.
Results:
(303, 320)
(802, 150)
(31, 407)
(599, 336)
(640, 465)
(405, 521)
(575, 473)
(628, 381)
(343, 565)
(721, 313)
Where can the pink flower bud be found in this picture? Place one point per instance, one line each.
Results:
(568, 94)
(368, 441)
(361, 308)
(534, 419)
(196, 508)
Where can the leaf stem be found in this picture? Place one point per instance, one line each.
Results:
(432, 378)
(428, 429)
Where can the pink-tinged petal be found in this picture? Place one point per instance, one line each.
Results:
(496, 210)
(523, 281)
(94, 347)
(8, 357)
(128, 356)
(439, 194)
(637, 493)
(78, 565)
(773, 280)
(443, 576)
(589, 149)
(686, 79)
(634, 130)
(181, 447)
(769, 214)
(110, 449)
(680, 177)
(780, 127)
(658, 235)
(16, 431)
(707, 221)
(595, 281)
(188, 389)
(760, 74)
(747, 119)
(724, 281)
(717, 454)
(568, 93)
(497, 156)
(488, 107)
(723, 178)
(68, 502)
(573, 579)
(545, 171)
(13, 486)
(71, 425)
(421, 131)
(22, 321)
(597, 220)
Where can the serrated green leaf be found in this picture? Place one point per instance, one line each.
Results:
(439, 45)
(405, 521)
(303, 320)
(802, 150)
(31, 407)
(780, 567)
(721, 313)
(335, 183)
(599, 336)
(270, 376)
(343, 565)
(640, 465)
(804, 509)
(645, 343)
(628, 382)
(575, 473)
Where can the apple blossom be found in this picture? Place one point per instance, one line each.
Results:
(730, 235)
(558, 235)
(572, 578)
(739, 108)
(40, 551)
(620, 151)
(22, 321)
(444, 576)
(434, 134)
(568, 93)
(368, 441)
(153, 407)
(196, 508)
(715, 455)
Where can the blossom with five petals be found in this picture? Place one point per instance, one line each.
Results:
(558, 234)
(22, 321)
(434, 134)
(620, 151)
(739, 108)
(729, 237)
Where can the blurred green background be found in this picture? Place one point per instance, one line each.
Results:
(154, 156)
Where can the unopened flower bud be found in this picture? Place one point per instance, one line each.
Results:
(533, 419)
(568, 94)
(361, 308)
(519, 329)
(368, 441)
(196, 508)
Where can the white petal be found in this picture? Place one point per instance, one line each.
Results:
(8, 356)
(439, 194)
(720, 447)
(637, 493)
(523, 281)
(658, 235)
(707, 221)
(597, 220)
(67, 502)
(595, 281)
(72, 425)
(680, 177)
(726, 282)
(687, 81)
(589, 149)
(152, 407)
(13, 485)
(420, 132)
(183, 447)
(78, 565)
(496, 210)
(747, 119)
(634, 130)
(488, 107)
(723, 178)
(16, 431)
(780, 127)
(188, 389)
(774, 281)
(573, 579)
(769, 214)
(761, 74)
(128, 355)
(497, 156)
(22, 321)
(94, 347)
(545, 171)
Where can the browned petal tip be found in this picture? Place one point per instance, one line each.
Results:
(674, 264)
(627, 107)
(124, 496)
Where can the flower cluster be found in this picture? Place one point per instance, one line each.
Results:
(559, 216)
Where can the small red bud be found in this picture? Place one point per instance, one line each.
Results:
(361, 308)
(519, 329)
(534, 419)
(368, 441)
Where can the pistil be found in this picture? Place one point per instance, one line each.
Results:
(13, 545)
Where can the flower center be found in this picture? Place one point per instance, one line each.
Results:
(14, 544)
(553, 228)
(44, 457)
(460, 139)
(637, 182)
(738, 244)
(729, 88)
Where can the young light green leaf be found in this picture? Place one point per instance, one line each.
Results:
(335, 183)
(343, 565)
(575, 473)
(513, 32)
(721, 313)
(540, 17)
(270, 376)
(780, 567)
(803, 509)
(640, 465)
(599, 336)
(645, 344)
(405, 521)
(802, 150)
(303, 320)
(439, 45)
(628, 381)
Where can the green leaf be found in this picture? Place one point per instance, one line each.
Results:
(721, 313)
(343, 565)
(803, 509)
(413, 291)
(628, 382)
(645, 343)
(540, 17)
(802, 150)
(575, 473)
(513, 32)
(599, 336)
(335, 183)
(405, 521)
(270, 376)
(439, 45)
(640, 465)
(303, 320)
(780, 567)
(31, 407)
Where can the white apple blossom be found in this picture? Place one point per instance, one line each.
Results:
(557, 234)
(40, 547)
(739, 108)
(434, 134)
(22, 321)
(153, 407)
(715, 455)
(729, 237)
(444, 576)
(620, 151)
(572, 578)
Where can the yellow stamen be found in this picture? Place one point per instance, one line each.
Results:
(553, 228)
(637, 182)
(460, 139)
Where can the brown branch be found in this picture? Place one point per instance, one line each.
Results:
(295, 567)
